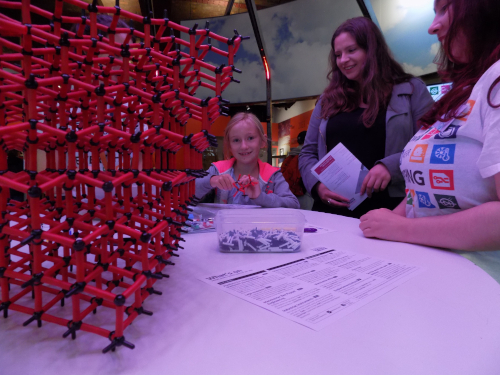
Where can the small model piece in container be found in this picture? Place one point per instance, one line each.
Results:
(263, 230)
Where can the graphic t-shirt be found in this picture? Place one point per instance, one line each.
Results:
(450, 166)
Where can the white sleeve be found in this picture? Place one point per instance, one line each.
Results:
(489, 159)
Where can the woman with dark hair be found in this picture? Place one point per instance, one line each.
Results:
(455, 204)
(371, 106)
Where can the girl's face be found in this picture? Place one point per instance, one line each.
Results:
(245, 142)
(350, 57)
(441, 26)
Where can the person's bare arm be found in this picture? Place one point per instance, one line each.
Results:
(475, 229)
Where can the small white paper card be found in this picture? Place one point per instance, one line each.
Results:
(342, 173)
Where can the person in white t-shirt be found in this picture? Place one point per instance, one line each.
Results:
(452, 165)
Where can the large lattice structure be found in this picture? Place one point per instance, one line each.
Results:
(101, 221)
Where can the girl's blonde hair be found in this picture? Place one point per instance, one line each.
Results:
(236, 119)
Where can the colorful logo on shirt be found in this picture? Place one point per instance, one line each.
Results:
(410, 194)
(418, 154)
(424, 201)
(430, 133)
(441, 179)
(447, 201)
(449, 132)
(443, 154)
(465, 112)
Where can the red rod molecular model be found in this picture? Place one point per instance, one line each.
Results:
(100, 125)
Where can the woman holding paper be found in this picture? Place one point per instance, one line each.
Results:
(456, 205)
(371, 106)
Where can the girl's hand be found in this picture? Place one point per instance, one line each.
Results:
(384, 224)
(376, 180)
(330, 198)
(253, 190)
(223, 182)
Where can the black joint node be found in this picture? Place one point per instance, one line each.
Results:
(72, 328)
(187, 139)
(108, 186)
(78, 245)
(75, 289)
(35, 192)
(110, 224)
(64, 41)
(153, 291)
(116, 342)
(125, 51)
(5, 307)
(92, 8)
(135, 172)
(2, 271)
(97, 301)
(140, 310)
(32, 175)
(156, 98)
(95, 172)
(104, 266)
(91, 212)
(26, 53)
(114, 282)
(33, 124)
(32, 141)
(136, 137)
(100, 90)
(167, 186)
(70, 221)
(36, 316)
(65, 78)
(34, 281)
(66, 260)
(71, 174)
(145, 237)
(120, 300)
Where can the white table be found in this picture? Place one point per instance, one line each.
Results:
(445, 320)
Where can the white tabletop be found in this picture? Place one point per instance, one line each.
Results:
(445, 320)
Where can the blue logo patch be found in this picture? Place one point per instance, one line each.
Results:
(443, 154)
(424, 201)
(447, 201)
(449, 132)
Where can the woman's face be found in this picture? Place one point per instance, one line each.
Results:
(441, 26)
(349, 56)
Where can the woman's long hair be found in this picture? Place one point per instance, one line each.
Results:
(479, 22)
(380, 73)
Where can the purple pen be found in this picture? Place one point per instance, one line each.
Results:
(310, 230)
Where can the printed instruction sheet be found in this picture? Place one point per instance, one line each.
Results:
(315, 290)
(342, 173)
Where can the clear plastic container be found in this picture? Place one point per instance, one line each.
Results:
(268, 230)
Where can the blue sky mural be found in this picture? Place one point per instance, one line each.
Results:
(297, 39)
(404, 24)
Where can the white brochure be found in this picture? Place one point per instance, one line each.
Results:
(342, 173)
(314, 290)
